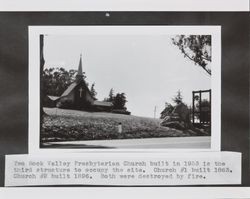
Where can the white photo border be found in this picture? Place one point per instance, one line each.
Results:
(34, 77)
(125, 5)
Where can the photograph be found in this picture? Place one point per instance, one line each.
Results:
(124, 99)
(139, 100)
(125, 87)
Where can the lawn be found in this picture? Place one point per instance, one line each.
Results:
(71, 125)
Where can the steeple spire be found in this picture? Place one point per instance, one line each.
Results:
(79, 75)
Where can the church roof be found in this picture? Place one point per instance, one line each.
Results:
(101, 103)
(53, 98)
(79, 80)
(72, 87)
(69, 89)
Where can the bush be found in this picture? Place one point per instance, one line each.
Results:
(65, 103)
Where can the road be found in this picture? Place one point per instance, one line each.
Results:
(202, 142)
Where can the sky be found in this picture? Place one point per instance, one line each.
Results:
(149, 69)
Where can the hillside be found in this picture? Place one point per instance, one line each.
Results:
(69, 125)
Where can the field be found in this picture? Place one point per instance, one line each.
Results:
(71, 125)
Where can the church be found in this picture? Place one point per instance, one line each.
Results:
(78, 96)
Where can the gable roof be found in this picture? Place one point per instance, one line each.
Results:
(79, 80)
(69, 89)
(73, 86)
(53, 98)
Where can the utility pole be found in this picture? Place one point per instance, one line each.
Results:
(155, 111)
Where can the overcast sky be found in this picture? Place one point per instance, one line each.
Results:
(148, 68)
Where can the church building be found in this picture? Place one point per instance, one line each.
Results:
(78, 96)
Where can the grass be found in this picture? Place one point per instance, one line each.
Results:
(71, 125)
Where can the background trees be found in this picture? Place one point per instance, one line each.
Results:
(177, 99)
(196, 48)
(167, 110)
(119, 100)
(111, 96)
(92, 90)
(56, 80)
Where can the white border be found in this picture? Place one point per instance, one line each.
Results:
(34, 76)
(127, 192)
(124, 5)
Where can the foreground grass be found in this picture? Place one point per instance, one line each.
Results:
(71, 125)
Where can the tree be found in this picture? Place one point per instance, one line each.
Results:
(119, 101)
(92, 90)
(110, 98)
(56, 80)
(111, 95)
(167, 110)
(196, 48)
(178, 98)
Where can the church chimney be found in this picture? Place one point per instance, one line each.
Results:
(79, 75)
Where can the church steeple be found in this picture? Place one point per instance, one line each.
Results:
(79, 75)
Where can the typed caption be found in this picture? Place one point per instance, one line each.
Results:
(139, 169)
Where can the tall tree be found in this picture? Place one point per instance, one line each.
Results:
(56, 80)
(196, 48)
(110, 98)
(119, 101)
(178, 98)
(167, 110)
(92, 90)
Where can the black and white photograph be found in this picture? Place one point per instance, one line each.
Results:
(125, 99)
(128, 87)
